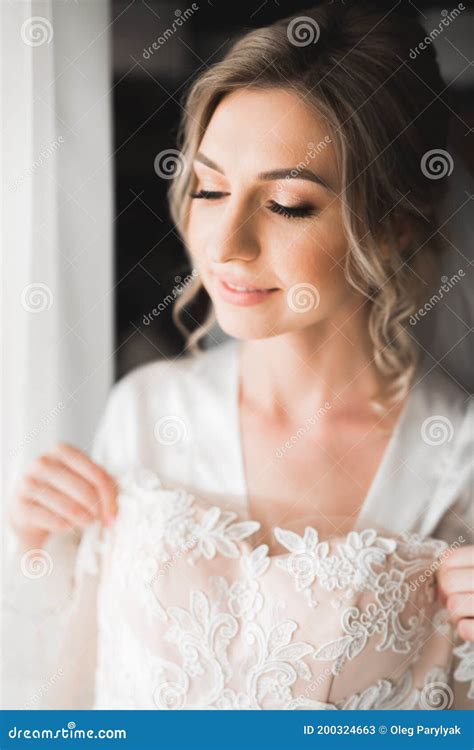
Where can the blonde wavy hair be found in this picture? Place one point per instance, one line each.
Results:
(382, 108)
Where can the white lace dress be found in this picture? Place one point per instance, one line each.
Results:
(191, 615)
(176, 607)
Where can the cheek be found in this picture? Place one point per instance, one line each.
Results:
(313, 253)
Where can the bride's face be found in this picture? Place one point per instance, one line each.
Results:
(266, 214)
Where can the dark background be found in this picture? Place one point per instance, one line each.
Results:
(148, 95)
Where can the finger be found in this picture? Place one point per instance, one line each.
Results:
(442, 597)
(55, 474)
(95, 474)
(460, 605)
(466, 629)
(463, 557)
(58, 503)
(456, 580)
(44, 519)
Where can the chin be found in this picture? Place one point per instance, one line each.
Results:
(235, 325)
(251, 325)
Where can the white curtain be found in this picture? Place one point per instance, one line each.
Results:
(57, 280)
(56, 246)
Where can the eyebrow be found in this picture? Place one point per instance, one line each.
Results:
(292, 173)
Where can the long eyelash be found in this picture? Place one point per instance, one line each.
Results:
(206, 194)
(291, 213)
(299, 212)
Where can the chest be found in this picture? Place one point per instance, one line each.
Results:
(312, 475)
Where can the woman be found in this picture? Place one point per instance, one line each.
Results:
(306, 199)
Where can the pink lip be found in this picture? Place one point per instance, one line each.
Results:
(251, 297)
(235, 281)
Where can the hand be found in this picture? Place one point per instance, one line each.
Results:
(61, 490)
(456, 589)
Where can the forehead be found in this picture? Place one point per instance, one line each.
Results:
(265, 129)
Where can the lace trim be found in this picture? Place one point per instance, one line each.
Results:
(226, 612)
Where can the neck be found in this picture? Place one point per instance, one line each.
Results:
(330, 361)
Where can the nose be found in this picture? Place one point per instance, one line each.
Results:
(235, 234)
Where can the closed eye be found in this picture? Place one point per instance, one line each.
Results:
(207, 194)
(291, 212)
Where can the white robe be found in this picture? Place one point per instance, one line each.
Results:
(180, 420)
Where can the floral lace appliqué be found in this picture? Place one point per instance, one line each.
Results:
(192, 617)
